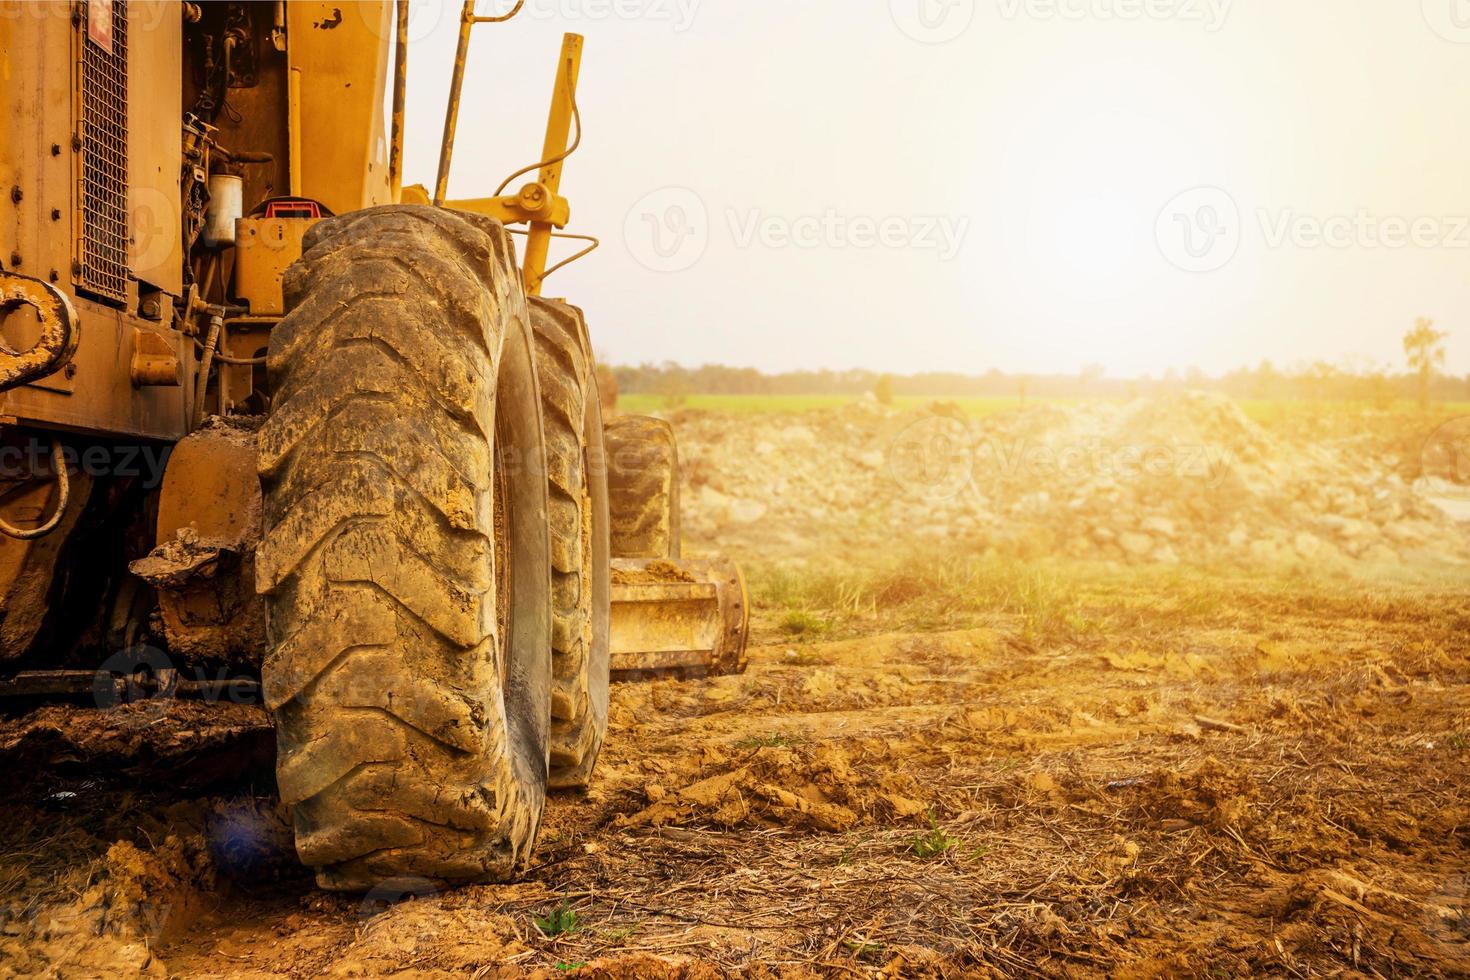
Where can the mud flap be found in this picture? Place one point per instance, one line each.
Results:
(203, 566)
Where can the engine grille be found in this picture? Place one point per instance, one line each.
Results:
(104, 164)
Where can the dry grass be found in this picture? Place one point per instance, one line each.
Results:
(920, 593)
(1049, 601)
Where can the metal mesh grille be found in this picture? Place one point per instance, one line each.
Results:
(104, 185)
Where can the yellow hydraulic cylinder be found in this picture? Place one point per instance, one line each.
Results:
(293, 124)
(400, 97)
(553, 154)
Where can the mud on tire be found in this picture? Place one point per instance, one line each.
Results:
(642, 487)
(577, 493)
(405, 561)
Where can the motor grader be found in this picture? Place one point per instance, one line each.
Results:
(391, 506)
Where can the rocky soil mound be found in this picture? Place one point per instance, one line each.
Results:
(1182, 478)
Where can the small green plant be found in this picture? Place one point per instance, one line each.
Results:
(674, 392)
(934, 842)
(799, 622)
(773, 740)
(560, 920)
(950, 589)
(570, 967)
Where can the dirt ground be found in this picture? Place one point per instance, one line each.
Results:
(948, 758)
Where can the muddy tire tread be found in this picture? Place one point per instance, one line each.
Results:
(390, 754)
(567, 382)
(643, 487)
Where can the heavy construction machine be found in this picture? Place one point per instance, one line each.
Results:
(390, 503)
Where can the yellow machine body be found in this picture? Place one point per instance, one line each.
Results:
(91, 98)
(161, 163)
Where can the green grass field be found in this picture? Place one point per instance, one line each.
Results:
(783, 404)
(1257, 409)
(1265, 410)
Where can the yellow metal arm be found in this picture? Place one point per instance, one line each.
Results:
(539, 205)
(535, 203)
(553, 154)
(530, 205)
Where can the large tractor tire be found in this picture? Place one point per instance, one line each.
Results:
(405, 559)
(642, 487)
(580, 565)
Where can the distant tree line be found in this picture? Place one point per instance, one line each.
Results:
(1424, 352)
(1317, 381)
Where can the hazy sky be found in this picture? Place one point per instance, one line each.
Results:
(1032, 185)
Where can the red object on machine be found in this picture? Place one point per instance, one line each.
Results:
(292, 207)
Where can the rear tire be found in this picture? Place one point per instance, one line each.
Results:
(580, 566)
(405, 560)
(642, 487)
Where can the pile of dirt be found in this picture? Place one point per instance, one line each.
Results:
(102, 877)
(437, 935)
(130, 899)
(814, 789)
(1180, 478)
(194, 744)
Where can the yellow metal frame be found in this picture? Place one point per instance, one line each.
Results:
(539, 203)
(553, 155)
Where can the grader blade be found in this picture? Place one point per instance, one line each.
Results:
(679, 617)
